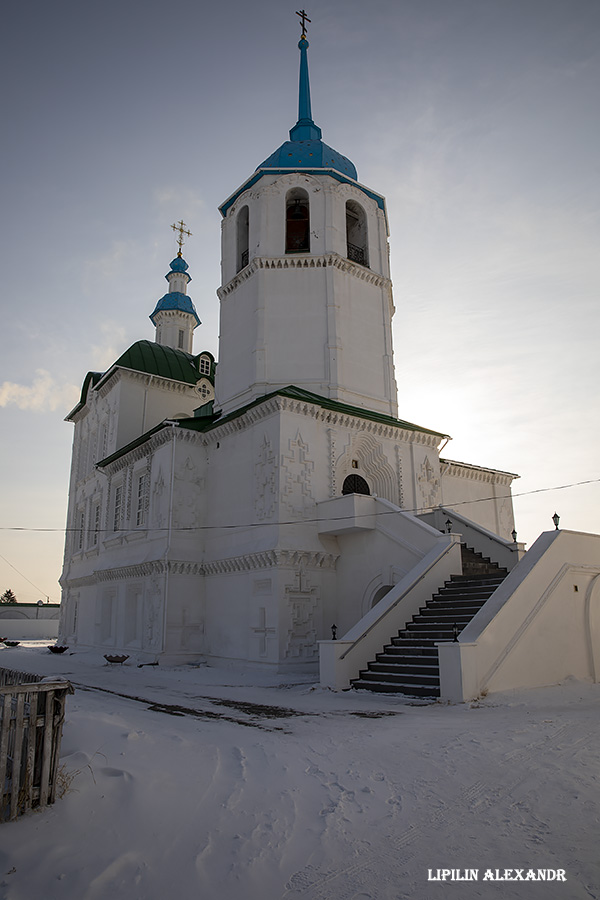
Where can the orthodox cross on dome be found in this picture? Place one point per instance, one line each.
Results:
(305, 19)
(182, 229)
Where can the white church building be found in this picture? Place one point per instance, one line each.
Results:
(232, 512)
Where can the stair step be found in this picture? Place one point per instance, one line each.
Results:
(399, 678)
(385, 687)
(409, 664)
(399, 673)
(459, 590)
(431, 616)
(404, 664)
(418, 644)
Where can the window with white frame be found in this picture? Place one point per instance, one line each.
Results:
(80, 529)
(118, 508)
(140, 507)
(205, 365)
(95, 523)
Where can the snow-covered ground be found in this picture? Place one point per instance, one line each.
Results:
(256, 789)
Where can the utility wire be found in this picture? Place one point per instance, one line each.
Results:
(391, 512)
(47, 596)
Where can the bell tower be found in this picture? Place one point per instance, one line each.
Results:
(306, 295)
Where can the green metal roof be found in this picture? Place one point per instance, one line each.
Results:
(91, 377)
(156, 359)
(206, 423)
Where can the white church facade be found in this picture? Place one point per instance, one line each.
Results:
(233, 512)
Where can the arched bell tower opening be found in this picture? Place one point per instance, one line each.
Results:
(357, 233)
(355, 484)
(243, 238)
(297, 222)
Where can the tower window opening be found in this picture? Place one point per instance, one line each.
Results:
(243, 238)
(356, 233)
(180, 339)
(355, 484)
(297, 222)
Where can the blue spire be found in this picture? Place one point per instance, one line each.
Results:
(304, 129)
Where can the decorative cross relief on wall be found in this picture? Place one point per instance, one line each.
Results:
(152, 613)
(262, 631)
(297, 471)
(264, 480)
(188, 495)
(429, 484)
(302, 636)
(158, 504)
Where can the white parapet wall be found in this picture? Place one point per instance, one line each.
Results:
(29, 621)
(541, 626)
(505, 553)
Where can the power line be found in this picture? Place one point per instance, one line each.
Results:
(25, 576)
(414, 511)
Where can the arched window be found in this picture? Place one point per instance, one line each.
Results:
(297, 222)
(356, 233)
(355, 484)
(243, 235)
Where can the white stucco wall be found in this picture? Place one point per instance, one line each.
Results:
(542, 624)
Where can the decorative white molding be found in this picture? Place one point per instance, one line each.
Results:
(429, 484)
(400, 475)
(150, 446)
(142, 570)
(303, 262)
(475, 473)
(332, 417)
(297, 470)
(265, 474)
(268, 559)
(166, 384)
(303, 600)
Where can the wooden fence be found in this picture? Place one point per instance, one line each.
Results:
(32, 713)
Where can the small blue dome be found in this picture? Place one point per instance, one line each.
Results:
(179, 264)
(176, 300)
(315, 154)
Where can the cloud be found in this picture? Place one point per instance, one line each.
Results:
(114, 343)
(45, 394)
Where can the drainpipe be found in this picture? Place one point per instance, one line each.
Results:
(146, 389)
(169, 531)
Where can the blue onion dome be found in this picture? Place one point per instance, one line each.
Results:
(178, 265)
(175, 300)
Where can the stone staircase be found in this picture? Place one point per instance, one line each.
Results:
(409, 663)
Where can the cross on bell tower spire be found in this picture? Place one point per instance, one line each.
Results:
(305, 19)
(182, 229)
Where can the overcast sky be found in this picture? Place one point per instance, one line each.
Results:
(476, 119)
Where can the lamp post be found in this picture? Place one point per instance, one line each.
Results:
(556, 520)
(448, 524)
(514, 535)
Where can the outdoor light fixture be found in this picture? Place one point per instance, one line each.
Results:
(514, 535)
(455, 632)
(448, 526)
(334, 632)
(556, 520)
